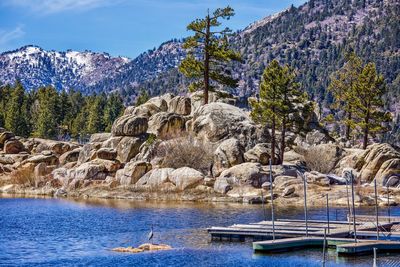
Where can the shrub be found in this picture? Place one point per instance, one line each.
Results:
(186, 151)
(24, 175)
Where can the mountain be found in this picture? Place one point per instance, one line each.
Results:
(313, 38)
(36, 67)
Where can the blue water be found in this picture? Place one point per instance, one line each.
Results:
(57, 232)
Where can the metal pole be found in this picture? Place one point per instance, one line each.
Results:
(376, 211)
(388, 203)
(348, 203)
(324, 249)
(327, 212)
(305, 201)
(272, 199)
(262, 203)
(374, 265)
(353, 207)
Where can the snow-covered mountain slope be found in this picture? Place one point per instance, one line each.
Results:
(36, 67)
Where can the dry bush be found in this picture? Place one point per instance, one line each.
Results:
(186, 151)
(24, 175)
(322, 158)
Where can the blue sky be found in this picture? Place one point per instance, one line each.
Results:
(119, 27)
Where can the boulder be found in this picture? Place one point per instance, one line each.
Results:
(259, 153)
(99, 137)
(245, 174)
(110, 165)
(4, 136)
(180, 105)
(90, 171)
(132, 172)
(165, 125)
(106, 153)
(148, 109)
(87, 152)
(129, 147)
(48, 159)
(393, 181)
(6, 160)
(217, 121)
(281, 182)
(70, 156)
(160, 102)
(129, 125)
(222, 186)
(316, 137)
(155, 177)
(13, 146)
(317, 178)
(185, 177)
(57, 147)
(324, 157)
(229, 153)
(112, 142)
(197, 99)
(380, 161)
(288, 191)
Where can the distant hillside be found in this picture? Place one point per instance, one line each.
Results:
(311, 38)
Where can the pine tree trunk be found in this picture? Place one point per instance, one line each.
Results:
(349, 116)
(283, 144)
(366, 131)
(207, 62)
(273, 142)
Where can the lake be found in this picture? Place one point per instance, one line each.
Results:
(60, 232)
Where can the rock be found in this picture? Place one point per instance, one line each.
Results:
(70, 156)
(60, 193)
(180, 105)
(6, 160)
(293, 157)
(13, 146)
(209, 181)
(149, 108)
(197, 99)
(4, 136)
(393, 181)
(87, 152)
(316, 137)
(334, 179)
(142, 248)
(217, 121)
(129, 147)
(110, 165)
(106, 153)
(132, 172)
(48, 159)
(160, 102)
(165, 125)
(259, 153)
(99, 137)
(156, 177)
(266, 185)
(315, 177)
(323, 157)
(221, 185)
(282, 182)
(57, 147)
(229, 153)
(90, 171)
(380, 161)
(112, 142)
(185, 177)
(129, 125)
(41, 171)
(245, 174)
(288, 191)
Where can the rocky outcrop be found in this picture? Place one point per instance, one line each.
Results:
(217, 121)
(245, 174)
(229, 153)
(130, 125)
(99, 137)
(259, 153)
(106, 153)
(166, 125)
(13, 146)
(180, 105)
(4, 136)
(129, 147)
(70, 156)
(156, 177)
(380, 161)
(132, 172)
(185, 177)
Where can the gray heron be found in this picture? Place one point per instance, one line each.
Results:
(151, 234)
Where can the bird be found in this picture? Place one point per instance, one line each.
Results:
(151, 234)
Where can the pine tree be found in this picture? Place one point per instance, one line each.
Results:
(279, 98)
(5, 93)
(342, 86)
(96, 109)
(142, 98)
(368, 104)
(15, 119)
(47, 118)
(208, 52)
(112, 110)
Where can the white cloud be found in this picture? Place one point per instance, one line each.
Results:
(6, 36)
(55, 6)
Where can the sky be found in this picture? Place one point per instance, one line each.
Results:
(119, 27)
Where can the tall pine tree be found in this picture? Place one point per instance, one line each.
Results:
(15, 118)
(208, 52)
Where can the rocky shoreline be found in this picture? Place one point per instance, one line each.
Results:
(172, 148)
